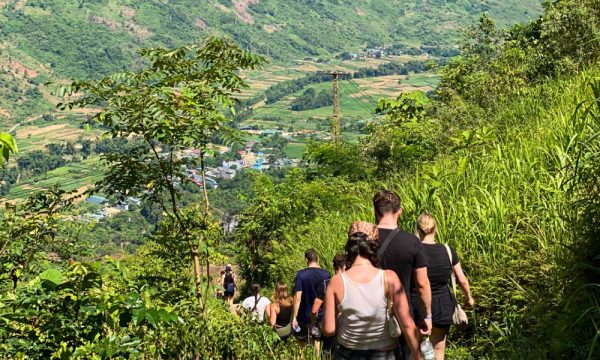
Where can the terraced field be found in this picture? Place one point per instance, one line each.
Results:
(77, 176)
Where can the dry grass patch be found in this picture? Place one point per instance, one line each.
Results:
(19, 69)
(201, 24)
(20, 4)
(5, 113)
(271, 28)
(241, 9)
(128, 12)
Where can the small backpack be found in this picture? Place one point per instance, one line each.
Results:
(228, 283)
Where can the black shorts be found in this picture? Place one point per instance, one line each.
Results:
(442, 309)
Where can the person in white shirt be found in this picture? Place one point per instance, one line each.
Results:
(256, 304)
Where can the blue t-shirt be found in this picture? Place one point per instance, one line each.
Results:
(309, 281)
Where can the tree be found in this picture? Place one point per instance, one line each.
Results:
(174, 103)
(7, 145)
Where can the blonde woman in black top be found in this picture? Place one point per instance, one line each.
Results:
(280, 311)
(439, 271)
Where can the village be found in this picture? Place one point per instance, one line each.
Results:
(233, 163)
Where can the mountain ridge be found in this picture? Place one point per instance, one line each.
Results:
(76, 39)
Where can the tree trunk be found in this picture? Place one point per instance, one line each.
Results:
(197, 277)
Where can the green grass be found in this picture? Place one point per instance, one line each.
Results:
(70, 177)
(294, 150)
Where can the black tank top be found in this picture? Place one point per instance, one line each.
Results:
(284, 316)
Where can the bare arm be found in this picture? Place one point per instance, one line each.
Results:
(272, 312)
(330, 301)
(401, 310)
(315, 309)
(463, 282)
(297, 299)
(424, 289)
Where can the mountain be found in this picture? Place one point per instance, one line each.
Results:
(42, 40)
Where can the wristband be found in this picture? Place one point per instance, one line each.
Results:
(428, 317)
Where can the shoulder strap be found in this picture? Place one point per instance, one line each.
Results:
(385, 286)
(385, 244)
(256, 302)
(452, 277)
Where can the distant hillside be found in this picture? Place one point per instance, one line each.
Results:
(41, 40)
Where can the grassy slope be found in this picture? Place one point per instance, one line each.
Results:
(79, 39)
(502, 206)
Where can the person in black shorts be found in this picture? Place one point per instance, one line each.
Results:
(307, 283)
(439, 271)
(229, 284)
(403, 253)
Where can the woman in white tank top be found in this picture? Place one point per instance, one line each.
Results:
(356, 300)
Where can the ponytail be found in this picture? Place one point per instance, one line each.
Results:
(255, 286)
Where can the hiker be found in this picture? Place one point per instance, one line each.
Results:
(256, 303)
(403, 253)
(443, 261)
(307, 283)
(228, 279)
(361, 295)
(339, 265)
(280, 311)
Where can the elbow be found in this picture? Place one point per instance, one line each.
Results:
(409, 327)
(328, 330)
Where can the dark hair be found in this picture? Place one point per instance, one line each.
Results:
(339, 262)
(311, 255)
(359, 244)
(255, 286)
(384, 202)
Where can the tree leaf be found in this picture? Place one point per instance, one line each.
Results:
(53, 276)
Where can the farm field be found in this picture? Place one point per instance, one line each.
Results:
(31, 138)
(74, 176)
(358, 100)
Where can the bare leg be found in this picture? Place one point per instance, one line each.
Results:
(438, 340)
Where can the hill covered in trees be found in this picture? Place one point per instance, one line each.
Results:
(69, 39)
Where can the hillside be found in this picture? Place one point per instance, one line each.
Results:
(42, 40)
(503, 153)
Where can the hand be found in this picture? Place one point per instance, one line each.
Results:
(426, 326)
(470, 302)
(294, 323)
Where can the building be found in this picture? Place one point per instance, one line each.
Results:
(271, 132)
(227, 173)
(97, 200)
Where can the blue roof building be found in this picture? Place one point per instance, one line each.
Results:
(98, 200)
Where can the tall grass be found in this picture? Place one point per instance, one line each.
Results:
(503, 205)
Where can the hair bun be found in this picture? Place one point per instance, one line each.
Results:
(368, 229)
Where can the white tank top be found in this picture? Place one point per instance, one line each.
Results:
(362, 323)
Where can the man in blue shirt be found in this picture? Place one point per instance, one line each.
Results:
(307, 284)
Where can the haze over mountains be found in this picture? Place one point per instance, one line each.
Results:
(65, 39)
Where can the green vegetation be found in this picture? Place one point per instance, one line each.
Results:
(504, 153)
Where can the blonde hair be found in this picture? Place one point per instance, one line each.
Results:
(281, 295)
(426, 224)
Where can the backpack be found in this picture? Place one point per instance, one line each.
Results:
(228, 283)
